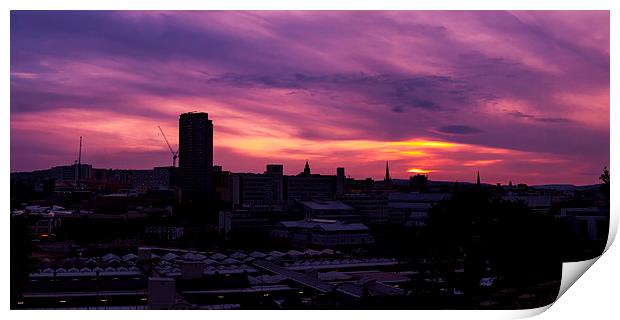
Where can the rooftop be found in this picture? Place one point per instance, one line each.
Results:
(326, 225)
(326, 205)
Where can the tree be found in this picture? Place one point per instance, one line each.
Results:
(526, 245)
(494, 238)
(604, 177)
(459, 230)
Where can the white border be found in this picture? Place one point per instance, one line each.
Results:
(594, 295)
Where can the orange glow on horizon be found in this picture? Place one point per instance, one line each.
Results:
(265, 142)
(241, 134)
(419, 171)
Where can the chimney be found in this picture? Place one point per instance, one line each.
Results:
(340, 181)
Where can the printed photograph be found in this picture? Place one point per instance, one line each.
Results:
(250, 160)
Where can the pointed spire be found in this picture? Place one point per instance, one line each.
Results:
(478, 179)
(307, 169)
(387, 173)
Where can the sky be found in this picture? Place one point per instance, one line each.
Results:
(521, 96)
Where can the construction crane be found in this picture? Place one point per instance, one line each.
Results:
(175, 154)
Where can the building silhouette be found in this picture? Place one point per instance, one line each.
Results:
(196, 154)
(306, 171)
(418, 183)
(387, 177)
(341, 181)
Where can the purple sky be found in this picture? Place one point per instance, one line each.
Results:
(516, 95)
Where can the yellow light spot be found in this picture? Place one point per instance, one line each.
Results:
(419, 171)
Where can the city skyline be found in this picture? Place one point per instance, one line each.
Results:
(515, 95)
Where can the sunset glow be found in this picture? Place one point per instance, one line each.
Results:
(427, 92)
(419, 171)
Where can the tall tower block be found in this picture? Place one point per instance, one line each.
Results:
(196, 153)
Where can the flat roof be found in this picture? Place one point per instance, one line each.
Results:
(326, 205)
(327, 225)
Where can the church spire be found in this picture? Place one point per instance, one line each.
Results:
(387, 173)
(478, 179)
(307, 169)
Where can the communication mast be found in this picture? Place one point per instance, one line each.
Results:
(79, 165)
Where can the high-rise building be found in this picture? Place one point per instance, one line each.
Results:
(196, 153)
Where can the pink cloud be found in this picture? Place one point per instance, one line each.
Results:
(507, 92)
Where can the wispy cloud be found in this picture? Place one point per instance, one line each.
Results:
(342, 88)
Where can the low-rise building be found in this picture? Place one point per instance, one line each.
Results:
(415, 206)
(537, 203)
(372, 207)
(589, 223)
(307, 187)
(322, 233)
(329, 209)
